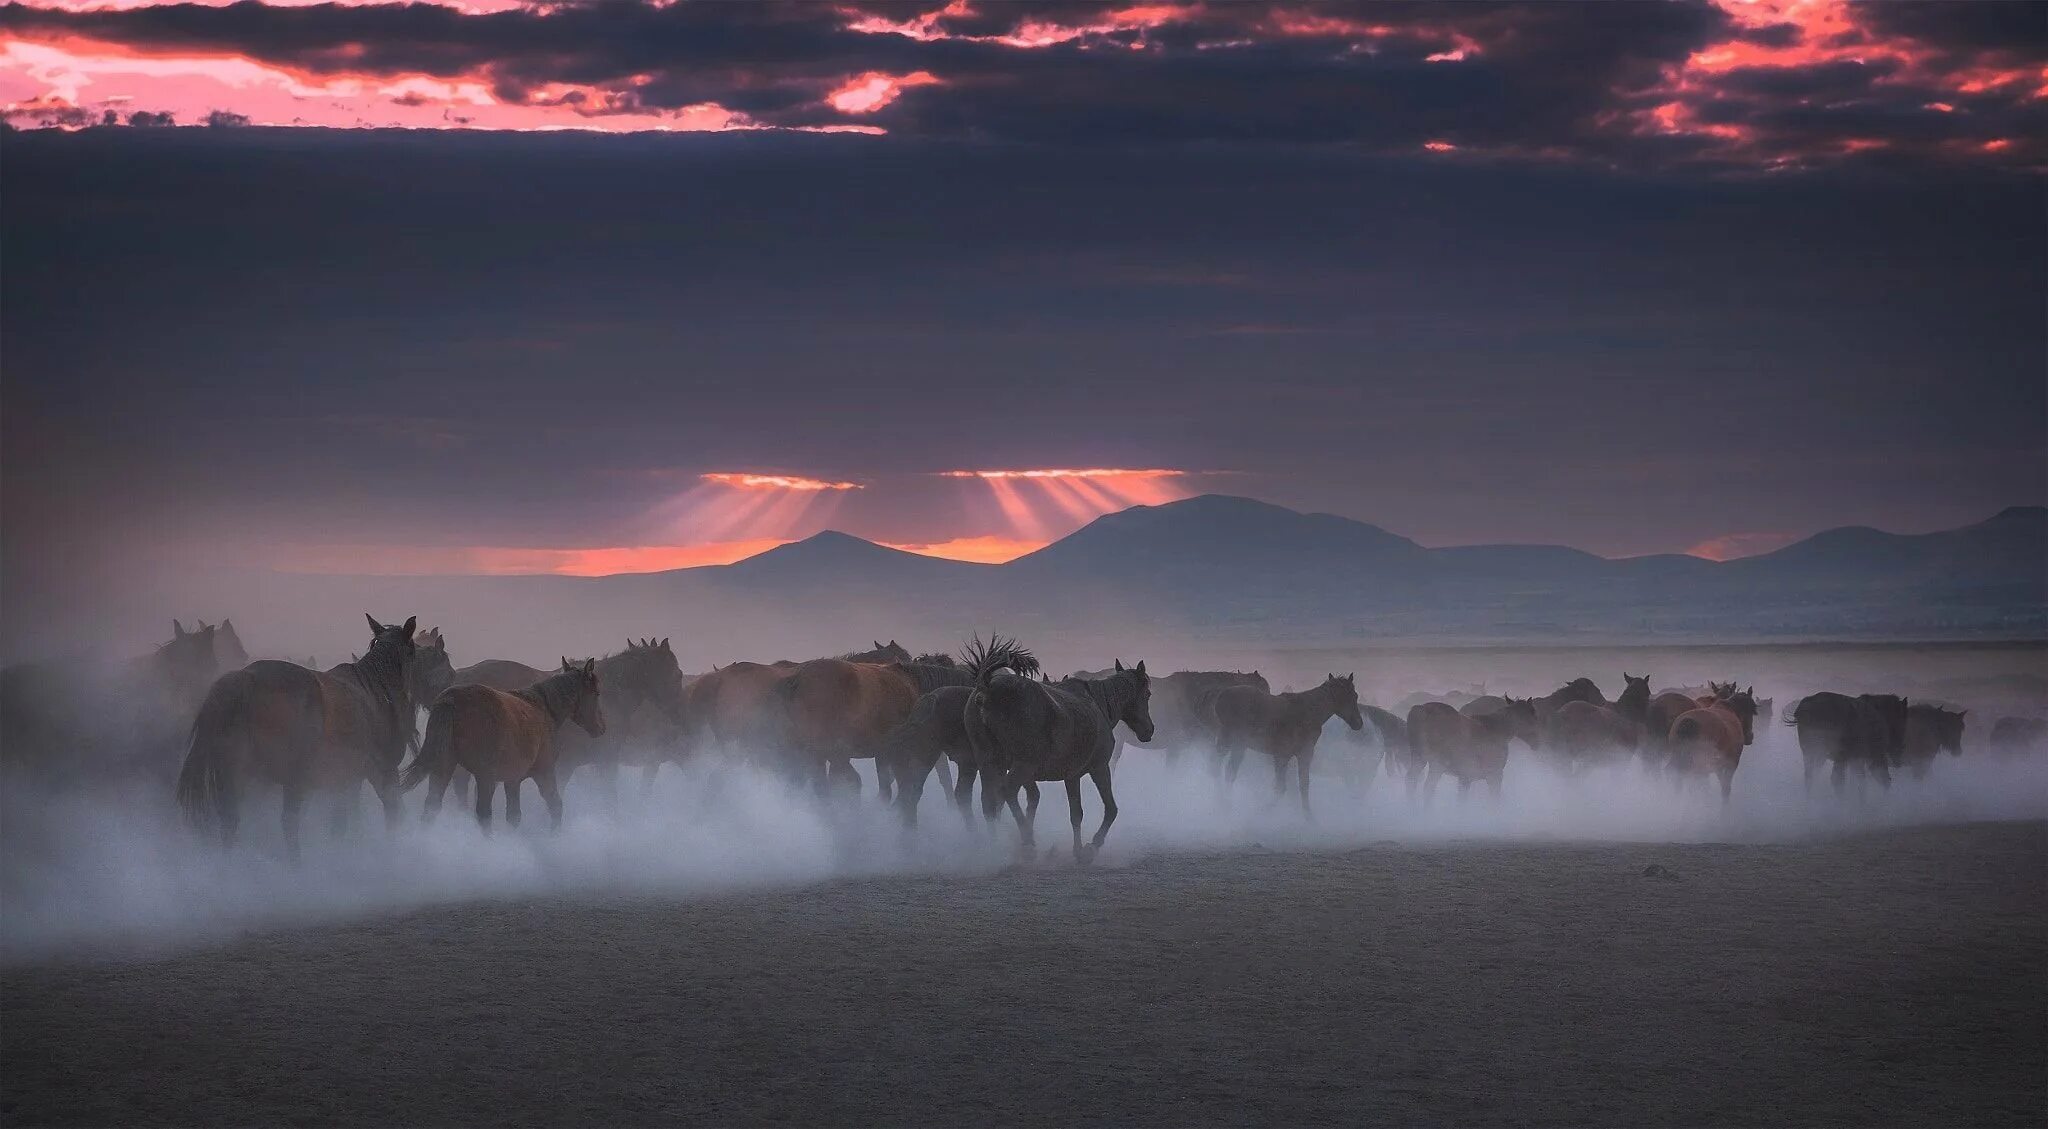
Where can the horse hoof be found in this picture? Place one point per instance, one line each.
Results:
(1084, 855)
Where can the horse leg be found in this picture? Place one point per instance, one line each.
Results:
(1493, 788)
(910, 792)
(1231, 761)
(945, 772)
(1463, 785)
(1301, 769)
(1031, 794)
(1108, 794)
(437, 788)
(1727, 775)
(1279, 775)
(885, 778)
(1883, 771)
(388, 796)
(513, 789)
(1429, 780)
(963, 792)
(483, 804)
(1074, 811)
(294, 801)
(462, 779)
(1010, 786)
(1840, 776)
(551, 795)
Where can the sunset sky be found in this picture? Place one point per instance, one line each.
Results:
(959, 277)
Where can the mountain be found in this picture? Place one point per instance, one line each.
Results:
(1224, 563)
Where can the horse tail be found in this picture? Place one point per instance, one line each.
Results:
(206, 783)
(999, 653)
(437, 750)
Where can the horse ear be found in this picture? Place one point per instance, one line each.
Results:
(665, 646)
(590, 667)
(565, 662)
(375, 627)
(412, 623)
(1141, 666)
(1119, 666)
(877, 643)
(227, 624)
(177, 629)
(208, 632)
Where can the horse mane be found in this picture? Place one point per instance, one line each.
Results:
(999, 653)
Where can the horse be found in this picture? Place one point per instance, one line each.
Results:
(1663, 709)
(179, 673)
(1931, 729)
(643, 675)
(1868, 730)
(1025, 731)
(934, 733)
(504, 738)
(890, 652)
(304, 730)
(1385, 734)
(2012, 736)
(1444, 740)
(1582, 734)
(1180, 706)
(1283, 726)
(1709, 739)
(832, 711)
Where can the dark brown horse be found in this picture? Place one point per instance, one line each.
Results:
(1442, 741)
(1867, 731)
(833, 712)
(179, 673)
(1283, 726)
(308, 731)
(502, 737)
(729, 706)
(1930, 730)
(933, 734)
(1025, 731)
(1708, 740)
(1583, 735)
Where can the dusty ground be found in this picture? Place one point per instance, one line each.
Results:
(1895, 978)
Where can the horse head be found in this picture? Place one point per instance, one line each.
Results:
(582, 706)
(1343, 694)
(430, 671)
(647, 671)
(1137, 706)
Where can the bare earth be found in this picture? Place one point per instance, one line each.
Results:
(1895, 979)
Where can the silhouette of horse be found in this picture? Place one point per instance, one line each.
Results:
(1444, 740)
(639, 680)
(1024, 731)
(307, 731)
(1283, 726)
(1929, 730)
(1868, 731)
(2012, 736)
(1663, 709)
(934, 733)
(502, 737)
(728, 706)
(1385, 733)
(1582, 734)
(179, 673)
(1708, 739)
(834, 711)
(1180, 706)
(228, 651)
(890, 652)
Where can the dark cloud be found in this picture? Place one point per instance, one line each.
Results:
(1529, 81)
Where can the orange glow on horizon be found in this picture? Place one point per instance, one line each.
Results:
(977, 550)
(1731, 546)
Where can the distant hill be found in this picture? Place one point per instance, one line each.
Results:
(1210, 568)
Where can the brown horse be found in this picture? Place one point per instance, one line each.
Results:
(1442, 740)
(729, 704)
(833, 712)
(1283, 726)
(178, 673)
(304, 730)
(1708, 740)
(642, 683)
(505, 738)
(1664, 708)
(1026, 731)
(1930, 730)
(1583, 735)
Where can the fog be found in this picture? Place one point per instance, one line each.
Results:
(103, 866)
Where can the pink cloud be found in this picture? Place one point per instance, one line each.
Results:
(866, 93)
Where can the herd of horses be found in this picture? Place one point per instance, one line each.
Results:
(989, 716)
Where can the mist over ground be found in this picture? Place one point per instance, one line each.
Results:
(102, 865)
